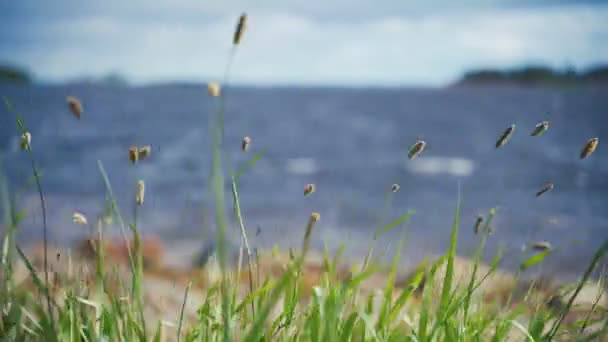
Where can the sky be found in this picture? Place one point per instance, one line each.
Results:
(301, 42)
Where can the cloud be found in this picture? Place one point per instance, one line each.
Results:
(289, 46)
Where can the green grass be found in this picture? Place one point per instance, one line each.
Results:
(432, 305)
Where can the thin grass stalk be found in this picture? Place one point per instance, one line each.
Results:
(8, 244)
(100, 259)
(138, 251)
(44, 217)
(595, 303)
(237, 209)
(222, 100)
(370, 251)
(135, 271)
(237, 275)
(476, 261)
(594, 261)
(217, 180)
(116, 211)
(256, 330)
(372, 245)
(449, 272)
(218, 191)
(181, 312)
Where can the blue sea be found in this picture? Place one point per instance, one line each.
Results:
(352, 143)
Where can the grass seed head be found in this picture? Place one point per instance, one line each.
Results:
(140, 193)
(79, 218)
(309, 189)
(540, 128)
(478, 222)
(75, 106)
(26, 141)
(416, 149)
(506, 135)
(546, 188)
(589, 148)
(213, 88)
(145, 152)
(245, 144)
(240, 29)
(541, 246)
(133, 154)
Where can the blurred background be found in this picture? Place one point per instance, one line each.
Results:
(334, 93)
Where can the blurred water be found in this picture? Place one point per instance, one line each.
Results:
(351, 143)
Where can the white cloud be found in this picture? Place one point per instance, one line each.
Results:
(286, 47)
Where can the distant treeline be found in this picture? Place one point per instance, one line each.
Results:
(18, 75)
(536, 75)
(11, 74)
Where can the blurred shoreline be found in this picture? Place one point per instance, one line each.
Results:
(525, 75)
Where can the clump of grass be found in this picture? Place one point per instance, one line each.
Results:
(300, 302)
(26, 144)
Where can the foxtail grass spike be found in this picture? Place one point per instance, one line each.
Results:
(75, 106)
(541, 246)
(309, 189)
(240, 29)
(213, 88)
(416, 149)
(546, 188)
(145, 152)
(140, 193)
(540, 129)
(589, 148)
(133, 154)
(26, 141)
(478, 223)
(506, 135)
(245, 144)
(79, 218)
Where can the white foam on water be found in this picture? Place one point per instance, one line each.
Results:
(453, 166)
(302, 166)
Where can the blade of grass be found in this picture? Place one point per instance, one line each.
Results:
(181, 312)
(116, 212)
(535, 259)
(237, 209)
(250, 164)
(393, 224)
(476, 261)
(22, 130)
(522, 329)
(599, 254)
(449, 272)
(600, 294)
(294, 268)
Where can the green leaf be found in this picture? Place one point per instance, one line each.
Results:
(252, 296)
(535, 259)
(393, 224)
(405, 295)
(355, 281)
(347, 329)
(449, 271)
(250, 164)
(159, 333)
